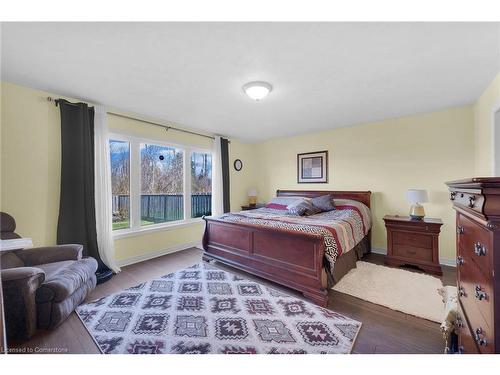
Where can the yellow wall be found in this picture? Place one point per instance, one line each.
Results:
(30, 178)
(386, 157)
(31, 162)
(241, 181)
(483, 109)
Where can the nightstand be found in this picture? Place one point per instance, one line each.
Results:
(413, 242)
(248, 207)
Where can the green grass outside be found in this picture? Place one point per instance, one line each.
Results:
(126, 224)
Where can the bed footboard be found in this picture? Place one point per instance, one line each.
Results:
(292, 259)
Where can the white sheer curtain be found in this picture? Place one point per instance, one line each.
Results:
(217, 189)
(103, 204)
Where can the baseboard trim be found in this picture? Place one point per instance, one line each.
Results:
(443, 262)
(448, 262)
(379, 251)
(158, 253)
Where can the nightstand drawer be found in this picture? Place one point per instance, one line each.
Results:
(412, 239)
(408, 251)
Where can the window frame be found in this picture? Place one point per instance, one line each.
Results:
(135, 142)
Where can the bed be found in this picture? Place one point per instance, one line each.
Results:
(308, 254)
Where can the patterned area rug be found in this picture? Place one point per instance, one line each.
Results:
(203, 309)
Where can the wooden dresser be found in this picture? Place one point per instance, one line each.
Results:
(477, 204)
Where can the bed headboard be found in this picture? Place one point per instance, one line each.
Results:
(360, 196)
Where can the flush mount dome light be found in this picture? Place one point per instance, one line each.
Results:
(257, 90)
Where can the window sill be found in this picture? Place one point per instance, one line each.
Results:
(124, 233)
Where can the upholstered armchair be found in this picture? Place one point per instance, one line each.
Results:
(41, 286)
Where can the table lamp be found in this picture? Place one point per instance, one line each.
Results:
(252, 197)
(415, 197)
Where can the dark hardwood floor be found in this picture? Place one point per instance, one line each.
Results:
(383, 331)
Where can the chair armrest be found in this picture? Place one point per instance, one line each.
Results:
(50, 254)
(19, 294)
(22, 276)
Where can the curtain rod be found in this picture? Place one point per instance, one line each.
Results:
(166, 127)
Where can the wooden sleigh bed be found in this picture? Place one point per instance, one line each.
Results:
(290, 258)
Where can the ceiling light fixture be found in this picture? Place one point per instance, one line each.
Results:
(257, 90)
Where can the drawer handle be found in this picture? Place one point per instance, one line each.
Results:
(460, 260)
(479, 337)
(460, 229)
(461, 291)
(479, 249)
(453, 194)
(480, 294)
(412, 252)
(472, 200)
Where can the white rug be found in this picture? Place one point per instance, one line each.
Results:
(409, 292)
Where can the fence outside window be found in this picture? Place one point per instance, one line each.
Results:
(159, 208)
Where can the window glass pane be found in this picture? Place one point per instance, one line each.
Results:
(201, 184)
(162, 180)
(120, 183)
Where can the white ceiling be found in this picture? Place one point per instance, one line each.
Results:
(325, 75)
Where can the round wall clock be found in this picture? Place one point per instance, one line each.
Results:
(238, 164)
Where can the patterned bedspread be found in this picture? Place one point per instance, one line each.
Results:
(342, 229)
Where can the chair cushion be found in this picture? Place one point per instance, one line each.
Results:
(61, 310)
(62, 279)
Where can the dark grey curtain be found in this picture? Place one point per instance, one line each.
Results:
(225, 173)
(77, 203)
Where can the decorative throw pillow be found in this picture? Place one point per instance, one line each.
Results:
(281, 203)
(303, 208)
(324, 203)
(276, 206)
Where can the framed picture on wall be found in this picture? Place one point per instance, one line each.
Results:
(312, 167)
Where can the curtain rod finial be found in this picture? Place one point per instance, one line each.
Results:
(52, 100)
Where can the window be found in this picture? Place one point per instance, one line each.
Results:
(154, 184)
(162, 181)
(120, 183)
(201, 184)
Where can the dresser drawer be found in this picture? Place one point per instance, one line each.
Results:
(466, 343)
(481, 333)
(472, 199)
(475, 242)
(475, 293)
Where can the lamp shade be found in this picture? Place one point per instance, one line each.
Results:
(417, 196)
(252, 192)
